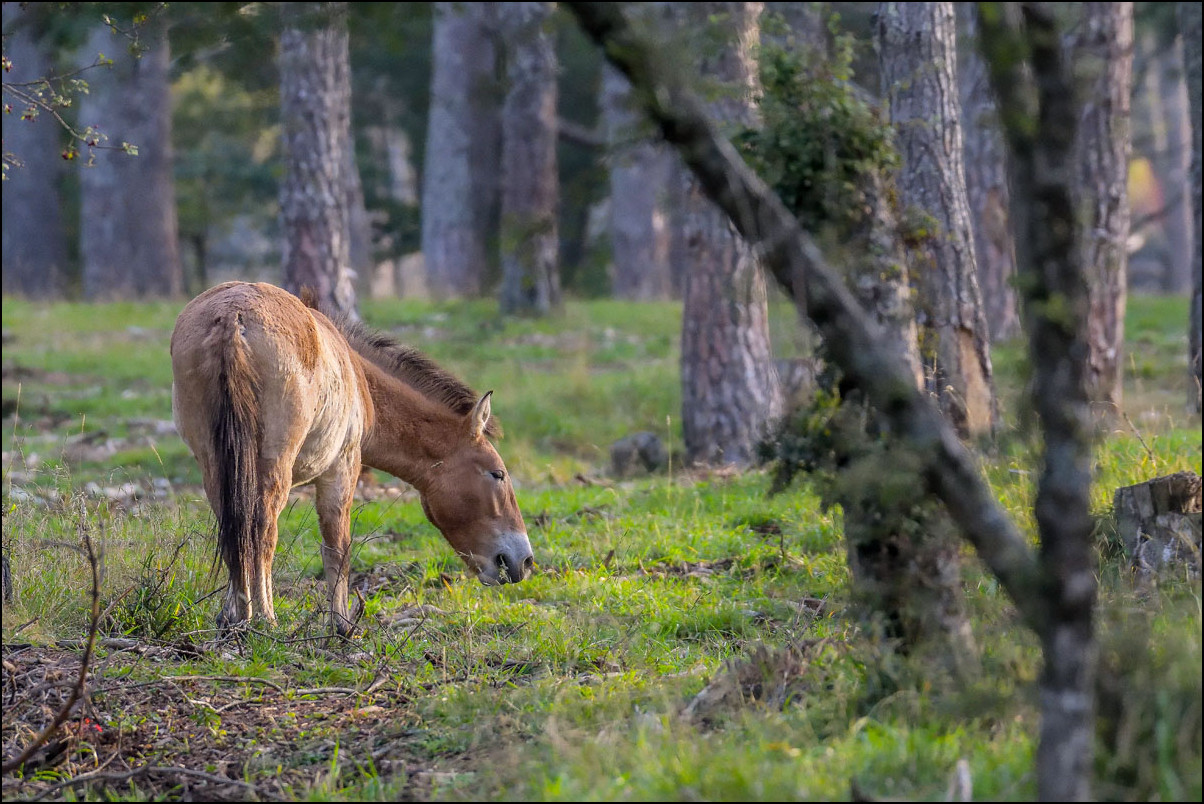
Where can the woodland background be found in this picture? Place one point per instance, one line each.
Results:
(769, 597)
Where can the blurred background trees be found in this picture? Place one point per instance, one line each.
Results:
(488, 153)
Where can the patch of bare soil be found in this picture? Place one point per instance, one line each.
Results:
(194, 737)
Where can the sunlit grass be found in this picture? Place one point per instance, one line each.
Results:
(573, 685)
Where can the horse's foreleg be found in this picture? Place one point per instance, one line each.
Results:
(335, 490)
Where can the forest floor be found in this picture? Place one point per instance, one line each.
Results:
(686, 634)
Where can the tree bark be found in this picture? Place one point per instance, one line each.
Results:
(1170, 87)
(529, 236)
(459, 188)
(1042, 120)
(639, 219)
(315, 100)
(1105, 50)
(34, 241)
(1189, 25)
(987, 186)
(129, 239)
(918, 63)
(730, 389)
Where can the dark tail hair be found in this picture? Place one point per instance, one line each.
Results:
(236, 452)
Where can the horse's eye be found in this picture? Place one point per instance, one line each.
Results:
(498, 474)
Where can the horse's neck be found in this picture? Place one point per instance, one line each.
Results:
(410, 434)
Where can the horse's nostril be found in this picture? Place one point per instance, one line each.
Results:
(528, 563)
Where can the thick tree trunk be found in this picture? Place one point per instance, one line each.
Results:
(315, 99)
(639, 174)
(1105, 50)
(34, 242)
(459, 188)
(986, 185)
(1189, 25)
(128, 227)
(529, 236)
(730, 388)
(918, 61)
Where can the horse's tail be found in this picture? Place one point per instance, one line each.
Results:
(240, 509)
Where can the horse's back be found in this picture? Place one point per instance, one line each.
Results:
(297, 366)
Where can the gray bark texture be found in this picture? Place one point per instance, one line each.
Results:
(128, 227)
(1042, 118)
(459, 178)
(315, 100)
(730, 389)
(918, 62)
(640, 170)
(1175, 164)
(985, 160)
(1189, 25)
(1104, 51)
(530, 245)
(35, 256)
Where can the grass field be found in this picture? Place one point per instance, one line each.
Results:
(685, 635)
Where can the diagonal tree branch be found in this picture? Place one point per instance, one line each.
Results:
(856, 344)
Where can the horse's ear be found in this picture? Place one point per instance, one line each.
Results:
(478, 419)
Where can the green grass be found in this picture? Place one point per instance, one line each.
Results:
(575, 684)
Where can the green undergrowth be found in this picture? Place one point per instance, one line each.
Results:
(685, 635)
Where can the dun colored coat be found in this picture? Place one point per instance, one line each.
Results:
(270, 393)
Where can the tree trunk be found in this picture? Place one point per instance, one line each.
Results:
(529, 236)
(128, 228)
(1189, 25)
(1105, 50)
(315, 100)
(34, 242)
(918, 61)
(730, 388)
(639, 174)
(1041, 113)
(459, 191)
(986, 185)
(1180, 236)
(361, 257)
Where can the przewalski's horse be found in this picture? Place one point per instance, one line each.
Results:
(270, 393)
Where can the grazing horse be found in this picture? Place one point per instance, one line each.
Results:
(270, 393)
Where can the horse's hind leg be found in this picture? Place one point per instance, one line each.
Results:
(335, 491)
(275, 497)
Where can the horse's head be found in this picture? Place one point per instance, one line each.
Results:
(470, 499)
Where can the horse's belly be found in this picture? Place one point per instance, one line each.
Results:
(334, 435)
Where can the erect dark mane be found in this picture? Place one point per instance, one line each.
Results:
(408, 365)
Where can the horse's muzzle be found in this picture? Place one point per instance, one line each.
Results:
(511, 563)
